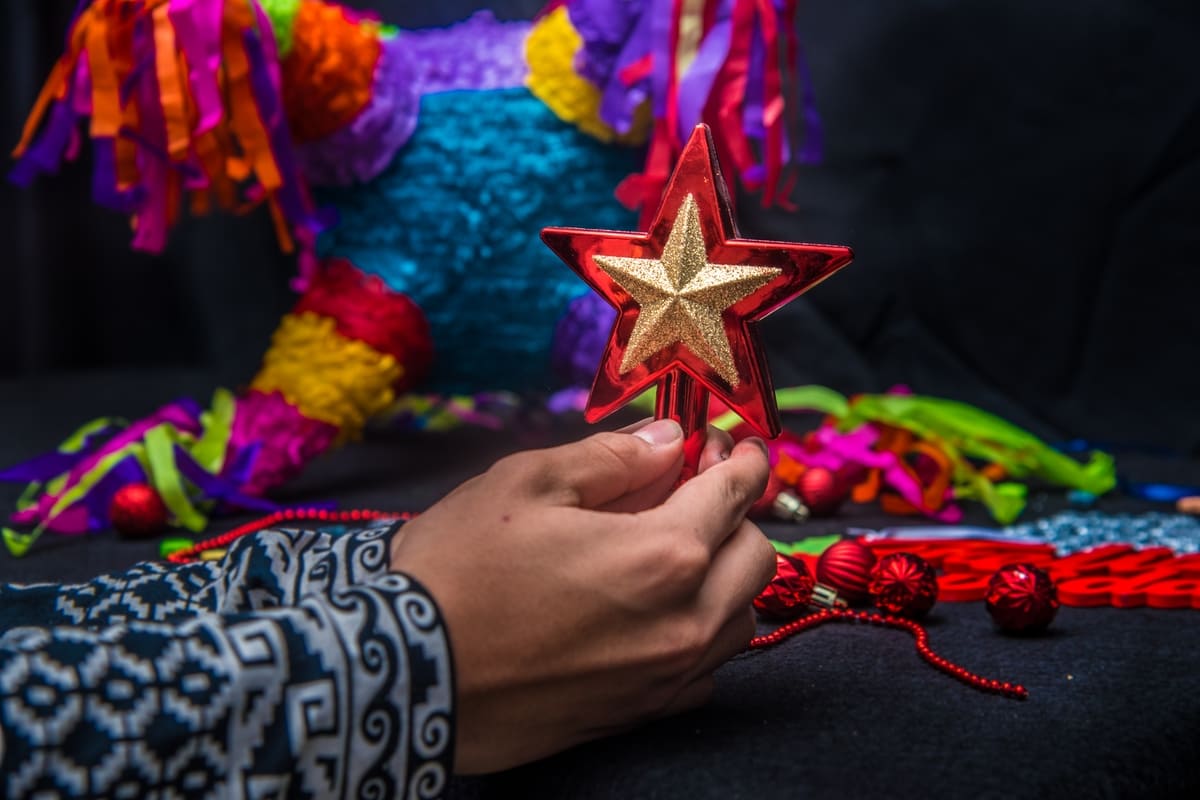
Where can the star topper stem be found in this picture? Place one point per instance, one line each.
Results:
(684, 400)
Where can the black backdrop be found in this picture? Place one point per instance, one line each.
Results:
(1019, 180)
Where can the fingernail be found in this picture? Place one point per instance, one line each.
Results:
(660, 432)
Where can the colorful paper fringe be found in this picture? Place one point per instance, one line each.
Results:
(184, 99)
(729, 63)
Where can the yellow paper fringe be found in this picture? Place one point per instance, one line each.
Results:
(326, 376)
(550, 51)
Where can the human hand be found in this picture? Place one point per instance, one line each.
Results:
(584, 596)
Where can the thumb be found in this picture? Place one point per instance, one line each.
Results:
(606, 466)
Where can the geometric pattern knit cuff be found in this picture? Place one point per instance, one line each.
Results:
(345, 692)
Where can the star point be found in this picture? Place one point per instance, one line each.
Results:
(688, 291)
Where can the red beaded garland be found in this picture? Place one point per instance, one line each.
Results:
(846, 566)
(927, 654)
(789, 593)
(137, 511)
(285, 515)
(1021, 598)
(904, 584)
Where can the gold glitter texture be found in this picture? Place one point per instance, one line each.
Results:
(682, 296)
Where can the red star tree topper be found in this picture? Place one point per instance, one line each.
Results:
(687, 294)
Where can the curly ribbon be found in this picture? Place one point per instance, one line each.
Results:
(923, 448)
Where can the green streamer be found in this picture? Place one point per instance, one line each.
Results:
(217, 426)
(19, 543)
(164, 475)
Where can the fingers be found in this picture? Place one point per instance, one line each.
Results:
(598, 469)
(716, 448)
(739, 572)
(714, 503)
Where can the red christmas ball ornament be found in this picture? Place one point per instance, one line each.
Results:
(846, 566)
(1021, 598)
(903, 584)
(137, 511)
(789, 593)
(821, 490)
(763, 507)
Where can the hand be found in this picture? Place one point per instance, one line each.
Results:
(582, 595)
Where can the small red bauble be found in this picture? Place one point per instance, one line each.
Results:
(137, 511)
(1021, 598)
(846, 566)
(789, 593)
(763, 507)
(821, 490)
(904, 584)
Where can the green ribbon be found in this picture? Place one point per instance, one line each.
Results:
(19, 543)
(164, 475)
(217, 426)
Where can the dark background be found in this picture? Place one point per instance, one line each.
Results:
(1019, 180)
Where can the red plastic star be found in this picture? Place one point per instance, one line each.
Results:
(687, 294)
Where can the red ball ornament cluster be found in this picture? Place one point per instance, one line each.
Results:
(1021, 598)
(793, 590)
(137, 511)
(789, 593)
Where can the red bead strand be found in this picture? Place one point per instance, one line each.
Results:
(280, 517)
(1014, 691)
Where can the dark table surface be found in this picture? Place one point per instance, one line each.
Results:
(840, 711)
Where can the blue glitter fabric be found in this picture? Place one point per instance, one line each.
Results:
(1072, 531)
(454, 223)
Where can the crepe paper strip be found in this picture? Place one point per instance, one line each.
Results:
(50, 465)
(165, 478)
(18, 543)
(217, 425)
(840, 453)
(183, 97)
(812, 546)
(728, 63)
(957, 426)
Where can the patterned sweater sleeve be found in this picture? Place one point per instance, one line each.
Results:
(308, 671)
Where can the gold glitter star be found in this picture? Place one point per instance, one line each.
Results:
(682, 296)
